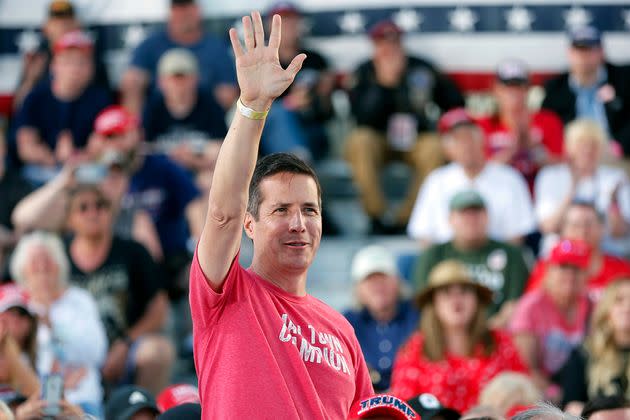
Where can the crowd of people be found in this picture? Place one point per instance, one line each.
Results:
(519, 292)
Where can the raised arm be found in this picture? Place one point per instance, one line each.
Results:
(261, 80)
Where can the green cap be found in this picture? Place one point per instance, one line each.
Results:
(467, 199)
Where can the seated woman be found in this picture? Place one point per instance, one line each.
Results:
(550, 321)
(601, 367)
(17, 342)
(71, 338)
(454, 354)
(584, 178)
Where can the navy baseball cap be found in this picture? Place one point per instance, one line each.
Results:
(125, 402)
(585, 37)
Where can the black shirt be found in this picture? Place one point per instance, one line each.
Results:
(13, 188)
(122, 286)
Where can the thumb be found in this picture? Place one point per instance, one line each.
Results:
(295, 66)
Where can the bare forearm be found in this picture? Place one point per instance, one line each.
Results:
(44, 208)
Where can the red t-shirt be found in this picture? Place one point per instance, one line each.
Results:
(612, 269)
(546, 131)
(455, 381)
(263, 353)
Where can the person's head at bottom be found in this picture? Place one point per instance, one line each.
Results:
(614, 407)
(283, 217)
(131, 403)
(382, 407)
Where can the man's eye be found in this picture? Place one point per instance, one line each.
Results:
(281, 210)
(310, 210)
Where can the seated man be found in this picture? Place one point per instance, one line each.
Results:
(127, 286)
(592, 88)
(503, 189)
(385, 319)
(56, 118)
(514, 135)
(583, 222)
(184, 29)
(180, 120)
(390, 96)
(497, 265)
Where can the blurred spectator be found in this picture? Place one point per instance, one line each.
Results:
(382, 407)
(514, 135)
(176, 395)
(509, 390)
(482, 412)
(583, 177)
(46, 207)
(454, 354)
(156, 185)
(395, 100)
(188, 411)
(607, 408)
(544, 411)
(13, 188)
(592, 88)
(56, 118)
(35, 67)
(295, 122)
(70, 337)
(429, 407)
(497, 265)
(180, 120)
(384, 319)
(34, 407)
(583, 222)
(510, 213)
(549, 322)
(184, 30)
(127, 286)
(131, 403)
(18, 329)
(600, 367)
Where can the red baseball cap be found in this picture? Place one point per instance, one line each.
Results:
(75, 39)
(385, 29)
(176, 395)
(284, 8)
(114, 120)
(571, 252)
(13, 296)
(454, 118)
(382, 406)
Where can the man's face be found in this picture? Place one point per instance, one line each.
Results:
(378, 292)
(178, 87)
(464, 145)
(89, 215)
(565, 283)
(388, 45)
(585, 60)
(470, 224)
(185, 18)
(510, 97)
(73, 67)
(288, 231)
(582, 223)
(123, 146)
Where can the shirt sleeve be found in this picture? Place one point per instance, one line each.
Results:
(554, 133)
(146, 281)
(424, 263)
(517, 275)
(26, 114)
(522, 220)
(182, 188)
(547, 196)
(522, 319)
(536, 277)
(142, 57)
(572, 377)
(423, 215)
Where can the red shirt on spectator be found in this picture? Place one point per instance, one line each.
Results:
(456, 381)
(546, 134)
(612, 268)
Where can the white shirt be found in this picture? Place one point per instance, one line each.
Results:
(80, 337)
(507, 198)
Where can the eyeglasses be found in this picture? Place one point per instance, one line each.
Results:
(97, 205)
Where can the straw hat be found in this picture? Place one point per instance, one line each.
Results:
(447, 273)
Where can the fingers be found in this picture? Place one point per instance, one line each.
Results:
(236, 43)
(296, 65)
(259, 32)
(276, 32)
(248, 33)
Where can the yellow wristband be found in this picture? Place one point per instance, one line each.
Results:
(250, 113)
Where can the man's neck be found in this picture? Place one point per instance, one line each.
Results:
(586, 80)
(89, 245)
(291, 282)
(467, 245)
(185, 37)
(181, 109)
(65, 93)
(472, 171)
(384, 315)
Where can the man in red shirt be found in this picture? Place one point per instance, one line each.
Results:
(515, 135)
(263, 347)
(582, 221)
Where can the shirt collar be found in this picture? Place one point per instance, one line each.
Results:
(602, 76)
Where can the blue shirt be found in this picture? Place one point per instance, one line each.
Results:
(380, 341)
(587, 104)
(164, 190)
(216, 66)
(50, 116)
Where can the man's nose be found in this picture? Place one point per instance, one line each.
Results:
(297, 222)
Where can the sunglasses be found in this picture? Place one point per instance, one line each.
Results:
(97, 205)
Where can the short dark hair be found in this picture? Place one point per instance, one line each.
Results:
(271, 165)
(603, 403)
(584, 204)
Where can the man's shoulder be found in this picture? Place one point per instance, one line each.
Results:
(156, 39)
(560, 82)
(506, 173)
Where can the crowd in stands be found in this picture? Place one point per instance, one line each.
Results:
(520, 287)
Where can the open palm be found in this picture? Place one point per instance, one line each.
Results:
(260, 75)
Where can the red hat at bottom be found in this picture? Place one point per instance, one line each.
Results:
(382, 406)
(176, 395)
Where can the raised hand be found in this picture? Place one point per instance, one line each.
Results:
(260, 75)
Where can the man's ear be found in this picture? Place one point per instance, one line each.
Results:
(248, 225)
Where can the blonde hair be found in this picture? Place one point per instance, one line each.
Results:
(434, 343)
(605, 359)
(581, 130)
(509, 389)
(51, 243)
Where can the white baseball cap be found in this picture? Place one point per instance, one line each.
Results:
(373, 259)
